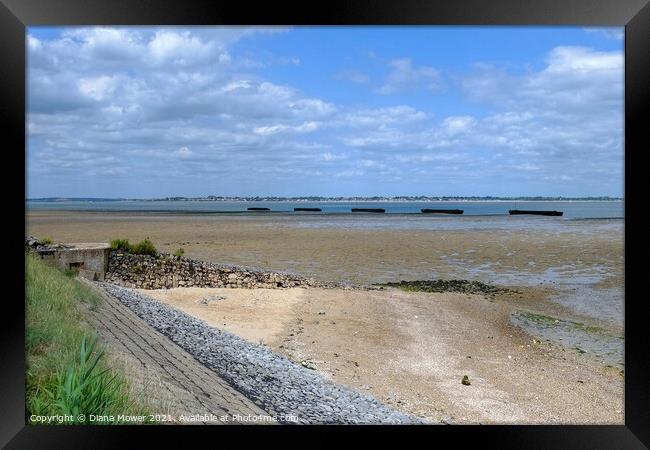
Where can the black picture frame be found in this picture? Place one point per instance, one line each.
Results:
(15, 15)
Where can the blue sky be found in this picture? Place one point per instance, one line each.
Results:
(148, 111)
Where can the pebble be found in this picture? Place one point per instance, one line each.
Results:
(272, 381)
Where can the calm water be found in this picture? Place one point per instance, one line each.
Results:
(571, 209)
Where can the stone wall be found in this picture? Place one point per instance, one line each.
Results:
(167, 271)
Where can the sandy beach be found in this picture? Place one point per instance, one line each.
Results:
(409, 349)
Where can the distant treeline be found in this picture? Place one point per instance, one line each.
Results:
(419, 198)
(377, 198)
(74, 199)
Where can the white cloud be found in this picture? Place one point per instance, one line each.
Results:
(352, 75)
(102, 44)
(400, 114)
(327, 156)
(349, 173)
(578, 60)
(458, 124)
(565, 119)
(575, 78)
(183, 152)
(98, 88)
(183, 48)
(404, 76)
(32, 43)
(617, 33)
(306, 127)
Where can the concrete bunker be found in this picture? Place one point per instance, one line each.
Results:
(89, 260)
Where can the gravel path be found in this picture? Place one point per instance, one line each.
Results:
(277, 385)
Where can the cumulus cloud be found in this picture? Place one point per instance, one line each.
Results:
(565, 119)
(574, 77)
(183, 48)
(181, 108)
(458, 124)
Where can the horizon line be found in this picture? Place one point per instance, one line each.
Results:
(342, 197)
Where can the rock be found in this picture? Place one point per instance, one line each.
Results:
(308, 365)
(465, 381)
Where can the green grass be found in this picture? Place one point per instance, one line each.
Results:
(144, 247)
(180, 252)
(67, 371)
(121, 244)
(47, 240)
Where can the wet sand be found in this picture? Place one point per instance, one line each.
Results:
(563, 261)
(571, 270)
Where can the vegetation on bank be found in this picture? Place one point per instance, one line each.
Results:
(67, 372)
(144, 247)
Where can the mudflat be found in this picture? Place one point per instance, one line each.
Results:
(335, 251)
(572, 263)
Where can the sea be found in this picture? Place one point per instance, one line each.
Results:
(572, 209)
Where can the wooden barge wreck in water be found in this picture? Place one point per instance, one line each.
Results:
(441, 211)
(369, 210)
(537, 213)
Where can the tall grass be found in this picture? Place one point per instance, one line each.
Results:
(144, 247)
(66, 369)
(121, 244)
(85, 388)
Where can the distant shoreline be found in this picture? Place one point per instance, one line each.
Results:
(470, 208)
(325, 200)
